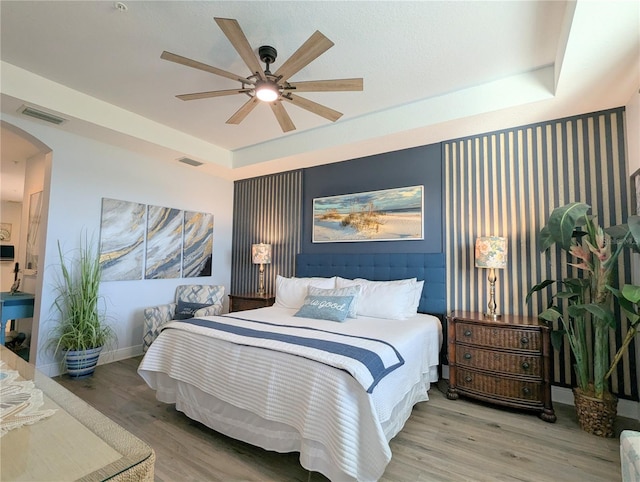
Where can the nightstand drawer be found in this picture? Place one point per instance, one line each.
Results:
(243, 304)
(249, 301)
(499, 386)
(498, 337)
(499, 361)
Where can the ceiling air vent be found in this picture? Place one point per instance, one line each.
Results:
(41, 115)
(191, 162)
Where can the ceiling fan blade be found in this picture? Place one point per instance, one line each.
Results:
(243, 111)
(319, 109)
(178, 59)
(213, 93)
(335, 85)
(286, 124)
(315, 46)
(231, 28)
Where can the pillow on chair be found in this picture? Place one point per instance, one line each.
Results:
(186, 310)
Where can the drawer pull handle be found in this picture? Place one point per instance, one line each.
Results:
(526, 390)
(525, 365)
(524, 340)
(467, 356)
(467, 379)
(467, 333)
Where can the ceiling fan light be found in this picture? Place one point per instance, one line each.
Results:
(266, 91)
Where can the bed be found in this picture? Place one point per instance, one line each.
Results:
(338, 415)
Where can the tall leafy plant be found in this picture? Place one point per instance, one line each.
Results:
(587, 298)
(82, 317)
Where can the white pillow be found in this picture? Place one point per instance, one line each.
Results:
(417, 294)
(354, 291)
(383, 299)
(291, 292)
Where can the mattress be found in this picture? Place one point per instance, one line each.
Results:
(285, 403)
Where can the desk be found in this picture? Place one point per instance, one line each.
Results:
(75, 443)
(13, 307)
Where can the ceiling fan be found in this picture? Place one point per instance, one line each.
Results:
(272, 88)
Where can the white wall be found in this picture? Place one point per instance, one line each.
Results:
(84, 171)
(10, 212)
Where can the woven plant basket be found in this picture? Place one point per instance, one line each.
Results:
(596, 416)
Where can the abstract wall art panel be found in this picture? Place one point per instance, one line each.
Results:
(122, 231)
(385, 215)
(164, 243)
(198, 244)
(138, 241)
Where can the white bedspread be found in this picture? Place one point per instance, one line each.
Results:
(366, 358)
(323, 412)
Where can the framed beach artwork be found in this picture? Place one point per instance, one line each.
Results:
(385, 215)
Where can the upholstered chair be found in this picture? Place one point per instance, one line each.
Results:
(191, 301)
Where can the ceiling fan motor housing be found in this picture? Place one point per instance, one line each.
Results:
(268, 54)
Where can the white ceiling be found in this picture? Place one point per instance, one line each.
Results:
(432, 71)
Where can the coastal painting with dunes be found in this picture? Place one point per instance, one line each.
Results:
(386, 215)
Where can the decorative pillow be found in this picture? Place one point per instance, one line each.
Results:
(333, 308)
(348, 291)
(383, 299)
(290, 292)
(186, 310)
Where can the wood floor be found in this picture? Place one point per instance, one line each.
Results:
(443, 440)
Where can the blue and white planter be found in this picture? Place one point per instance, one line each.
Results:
(82, 363)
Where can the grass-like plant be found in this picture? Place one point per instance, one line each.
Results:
(83, 323)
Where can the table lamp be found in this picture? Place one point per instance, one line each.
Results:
(491, 252)
(261, 254)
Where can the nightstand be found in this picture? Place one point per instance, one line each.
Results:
(250, 301)
(504, 361)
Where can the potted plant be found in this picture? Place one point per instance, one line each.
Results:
(82, 329)
(586, 300)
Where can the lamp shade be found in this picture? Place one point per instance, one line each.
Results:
(491, 252)
(261, 253)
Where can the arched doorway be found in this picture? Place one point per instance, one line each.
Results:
(23, 161)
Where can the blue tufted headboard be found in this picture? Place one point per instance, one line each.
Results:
(429, 267)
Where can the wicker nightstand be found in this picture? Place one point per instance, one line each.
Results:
(503, 361)
(250, 301)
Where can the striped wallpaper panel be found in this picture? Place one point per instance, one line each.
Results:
(507, 183)
(266, 209)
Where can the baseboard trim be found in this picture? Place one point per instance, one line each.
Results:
(56, 369)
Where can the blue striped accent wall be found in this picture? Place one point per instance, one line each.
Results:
(266, 209)
(506, 183)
